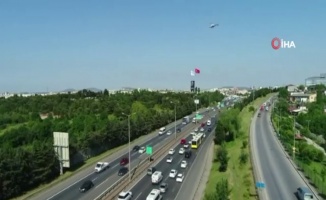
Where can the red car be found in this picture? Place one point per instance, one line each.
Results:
(124, 161)
(202, 124)
(183, 141)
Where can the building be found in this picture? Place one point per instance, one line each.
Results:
(292, 88)
(302, 97)
(316, 80)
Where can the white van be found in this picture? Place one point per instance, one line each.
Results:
(155, 194)
(303, 193)
(162, 130)
(157, 177)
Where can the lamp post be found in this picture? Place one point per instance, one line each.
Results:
(175, 119)
(293, 137)
(129, 163)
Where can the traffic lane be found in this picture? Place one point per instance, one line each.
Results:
(188, 189)
(107, 174)
(279, 176)
(103, 183)
(83, 175)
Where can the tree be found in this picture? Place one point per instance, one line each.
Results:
(222, 157)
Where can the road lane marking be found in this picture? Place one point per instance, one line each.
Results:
(102, 182)
(138, 195)
(94, 179)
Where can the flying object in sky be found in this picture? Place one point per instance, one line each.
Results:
(213, 25)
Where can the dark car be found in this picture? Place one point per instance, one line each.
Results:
(123, 171)
(124, 161)
(209, 129)
(188, 154)
(258, 114)
(86, 186)
(136, 148)
(202, 124)
(178, 130)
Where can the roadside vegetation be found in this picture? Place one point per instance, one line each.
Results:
(95, 124)
(231, 176)
(310, 159)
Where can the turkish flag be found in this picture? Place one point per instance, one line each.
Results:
(197, 71)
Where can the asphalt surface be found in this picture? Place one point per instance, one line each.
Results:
(105, 179)
(280, 178)
(144, 186)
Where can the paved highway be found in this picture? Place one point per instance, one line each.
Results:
(144, 186)
(279, 176)
(106, 178)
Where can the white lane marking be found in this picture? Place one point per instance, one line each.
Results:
(138, 195)
(94, 179)
(102, 183)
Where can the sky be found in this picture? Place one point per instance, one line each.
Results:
(55, 45)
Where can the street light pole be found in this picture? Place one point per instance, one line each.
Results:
(175, 120)
(129, 154)
(294, 138)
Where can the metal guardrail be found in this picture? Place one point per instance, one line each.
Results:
(123, 182)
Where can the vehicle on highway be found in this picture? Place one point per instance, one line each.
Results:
(136, 148)
(184, 164)
(186, 120)
(163, 187)
(208, 122)
(169, 133)
(151, 170)
(186, 146)
(122, 171)
(157, 177)
(209, 129)
(173, 173)
(258, 115)
(202, 124)
(161, 131)
(155, 194)
(194, 120)
(125, 195)
(124, 161)
(196, 141)
(171, 151)
(180, 178)
(187, 154)
(142, 150)
(169, 159)
(303, 193)
(183, 141)
(196, 129)
(86, 186)
(181, 151)
(202, 129)
(101, 166)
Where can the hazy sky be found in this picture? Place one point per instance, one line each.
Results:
(155, 43)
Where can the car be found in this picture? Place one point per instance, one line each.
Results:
(169, 133)
(196, 129)
(169, 159)
(187, 154)
(180, 178)
(258, 114)
(151, 170)
(142, 150)
(184, 164)
(124, 161)
(125, 195)
(202, 129)
(101, 166)
(183, 141)
(171, 151)
(178, 130)
(86, 186)
(163, 187)
(122, 171)
(186, 146)
(173, 173)
(181, 151)
(189, 142)
(203, 124)
(136, 148)
(209, 129)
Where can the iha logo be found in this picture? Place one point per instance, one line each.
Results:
(278, 43)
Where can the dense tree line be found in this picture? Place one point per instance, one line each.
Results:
(94, 121)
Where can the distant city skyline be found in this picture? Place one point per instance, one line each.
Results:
(55, 45)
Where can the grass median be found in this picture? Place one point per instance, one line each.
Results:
(240, 177)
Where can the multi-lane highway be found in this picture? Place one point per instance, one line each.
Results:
(142, 189)
(105, 179)
(280, 178)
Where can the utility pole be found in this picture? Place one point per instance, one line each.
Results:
(129, 155)
(294, 137)
(175, 119)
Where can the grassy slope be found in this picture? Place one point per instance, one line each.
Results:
(240, 178)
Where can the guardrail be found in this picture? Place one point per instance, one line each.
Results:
(123, 182)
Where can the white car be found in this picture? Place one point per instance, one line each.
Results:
(173, 173)
(171, 151)
(169, 159)
(125, 195)
(184, 164)
(202, 129)
(186, 146)
(180, 178)
(181, 150)
(189, 142)
(142, 150)
(196, 129)
(169, 133)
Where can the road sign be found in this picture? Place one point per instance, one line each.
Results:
(196, 101)
(260, 185)
(198, 116)
(149, 150)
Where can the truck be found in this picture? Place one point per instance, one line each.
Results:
(185, 120)
(101, 166)
(157, 177)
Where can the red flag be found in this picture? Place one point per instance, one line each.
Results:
(197, 71)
